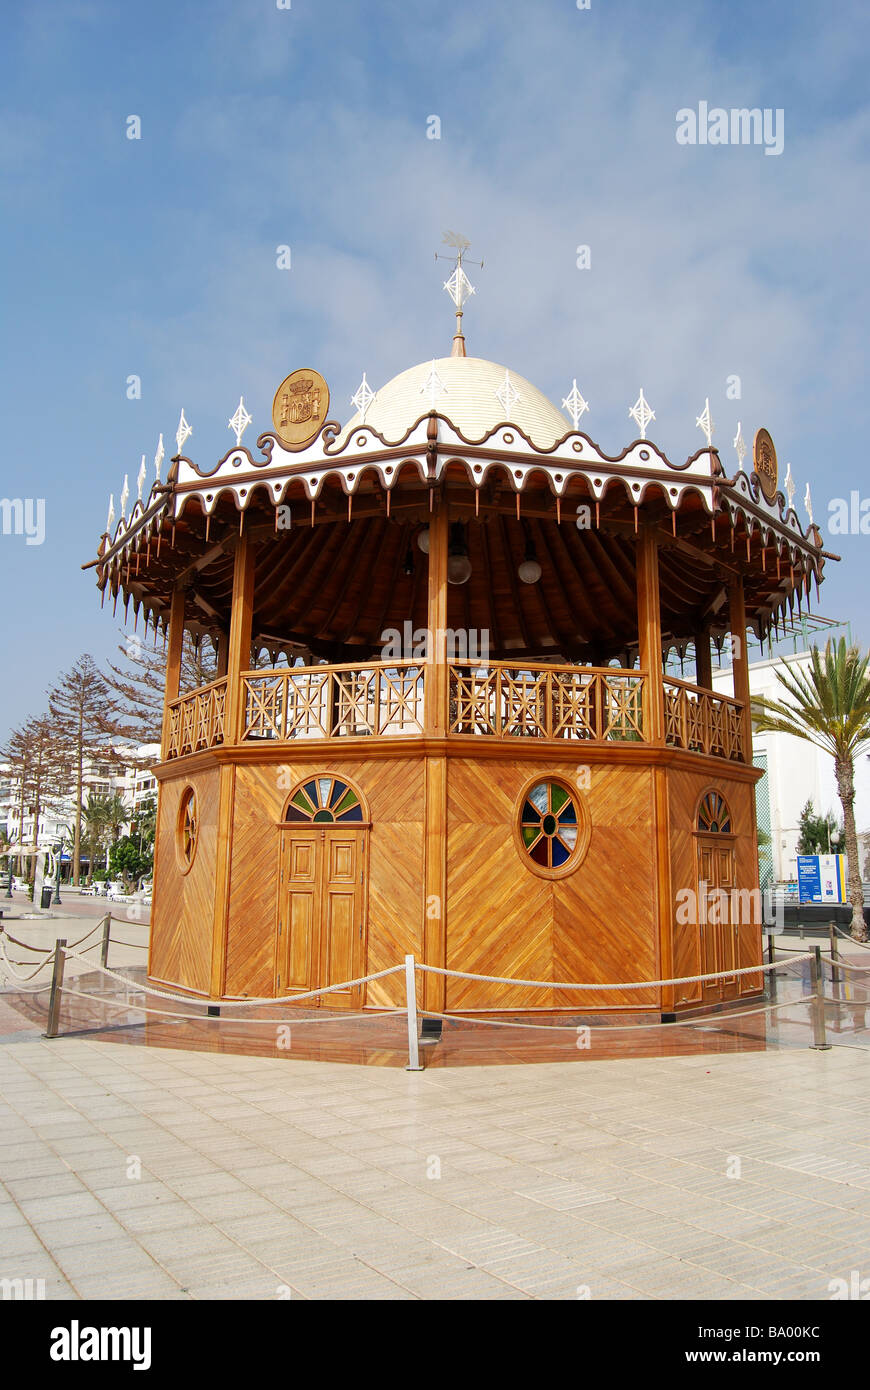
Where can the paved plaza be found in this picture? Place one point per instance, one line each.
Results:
(265, 1179)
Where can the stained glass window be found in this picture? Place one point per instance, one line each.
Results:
(325, 800)
(549, 825)
(714, 818)
(188, 826)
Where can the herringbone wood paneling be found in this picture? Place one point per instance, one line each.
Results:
(393, 789)
(502, 919)
(183, 906)
(685, 792)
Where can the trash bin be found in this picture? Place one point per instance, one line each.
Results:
(45, 900)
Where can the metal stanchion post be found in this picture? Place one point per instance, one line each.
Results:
(411, 1004)
(771, 958)
(104, 948)
(835, 953)
(56, 987)
(819, 1042)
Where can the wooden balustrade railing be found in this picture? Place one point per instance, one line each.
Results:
(703, 721)
(381, 699)
(196, 720)
(540, 701)
(499, 700)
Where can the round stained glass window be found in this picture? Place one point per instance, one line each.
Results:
(553, 828)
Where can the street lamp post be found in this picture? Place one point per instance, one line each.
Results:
(8, 893)
(56, 898)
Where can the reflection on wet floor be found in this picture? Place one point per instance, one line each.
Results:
(98, 1006)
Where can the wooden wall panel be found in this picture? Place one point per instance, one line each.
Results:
(502, 919)
(393, 789)
(181, 914)
(685, 791)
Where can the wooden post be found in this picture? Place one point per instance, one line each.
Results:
(238, 660)
(222, 655)
(437, 678)
(649, 631)
(740, 662)
(104, 945)
(239, 644)
(56, 987)
(175, 647)
(437, 719)
(703, 659)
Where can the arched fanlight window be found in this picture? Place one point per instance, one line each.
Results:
(187, 829)
(324, 800)
(553, 828)
(714, 818)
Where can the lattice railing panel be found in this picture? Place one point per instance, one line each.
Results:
(703, 721)
(196, 721)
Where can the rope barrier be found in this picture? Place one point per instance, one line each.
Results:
(847, 936)
(236, 1003)
(49, 950)
(703, 1019)
(631, 984)
(10, 965)
(127, 1005)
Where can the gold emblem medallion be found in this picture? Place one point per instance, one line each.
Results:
(764, 460)
(299, 408)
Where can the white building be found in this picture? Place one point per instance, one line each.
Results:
(796, 771)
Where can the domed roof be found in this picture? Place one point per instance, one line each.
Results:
(471, 392)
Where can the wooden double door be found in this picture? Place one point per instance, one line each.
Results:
(321, 912)
(720, 945)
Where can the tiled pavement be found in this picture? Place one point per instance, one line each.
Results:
(265, 1179)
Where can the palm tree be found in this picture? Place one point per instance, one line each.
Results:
(96, 823)
(831, 709)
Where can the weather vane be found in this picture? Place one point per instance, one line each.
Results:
(459, 287)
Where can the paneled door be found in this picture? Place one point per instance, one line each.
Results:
(717, 919)
(321, 913)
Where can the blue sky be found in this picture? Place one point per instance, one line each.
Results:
(307, 127)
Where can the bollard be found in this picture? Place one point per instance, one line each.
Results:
(411, 1005)
(835, 953)
(820, 1042)
(771, 958)
(104, 948)
(56, 987)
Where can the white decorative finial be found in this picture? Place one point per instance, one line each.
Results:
(158, 459)
(575, 404)
(507, 394)
(140, 481)
(808, 503)
(125, 494)
(642, 414)
(789, 485)
(240, 421)
(183, 432)
(363, 397)
(705, 422)
(433, 384)
(459, 287)
(739, 446)
(110, 519)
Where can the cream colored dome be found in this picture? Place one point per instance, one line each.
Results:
(469, 399)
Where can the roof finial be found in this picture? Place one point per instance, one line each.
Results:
(459, 287)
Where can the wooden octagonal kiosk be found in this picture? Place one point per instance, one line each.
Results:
(468, 748)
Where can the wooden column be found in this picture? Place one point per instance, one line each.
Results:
(239, 644)
(740, 660)
(436, 676)
(703, 659)
(174, 649)
(238, 659)
(223, 653)
(649, 629)
(434, 934)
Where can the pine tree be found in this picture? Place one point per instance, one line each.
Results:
(84, 712)
(138, 683)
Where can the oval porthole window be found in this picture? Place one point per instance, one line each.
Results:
(553, 827)
(187, 832)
